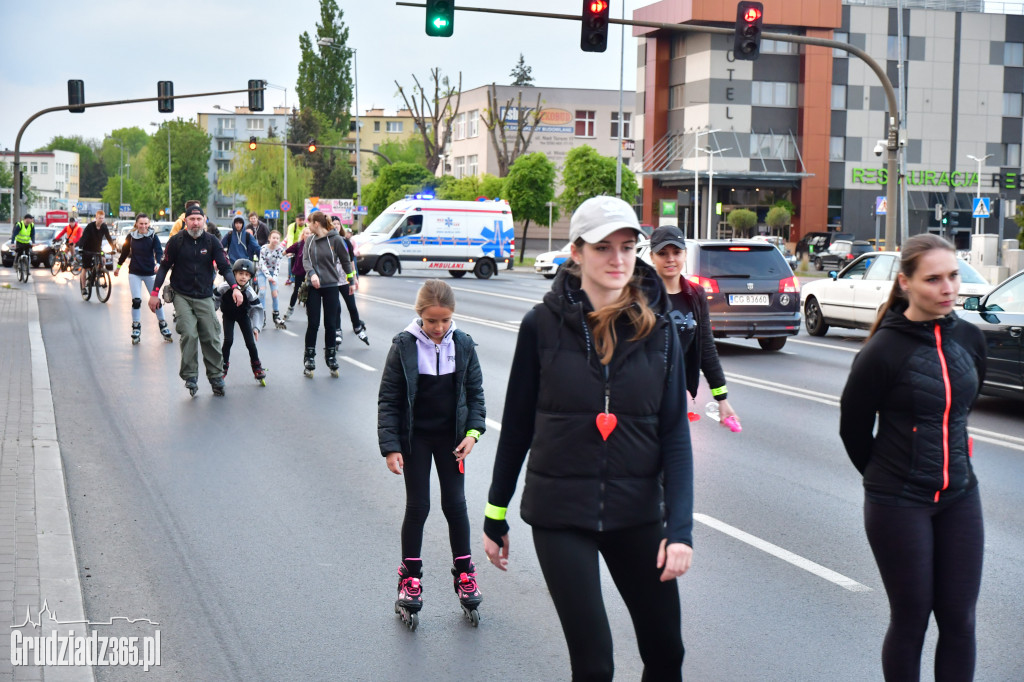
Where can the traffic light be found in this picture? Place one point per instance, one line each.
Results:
(594, 30)
(256, 88)
(938, 212)
(76, 96)
(311, 147)
(165, 91)
(945, 217)
(252, 143)
(440, 18)
(747, 43)
(21, 184)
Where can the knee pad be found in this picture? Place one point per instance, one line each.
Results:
(136, 303)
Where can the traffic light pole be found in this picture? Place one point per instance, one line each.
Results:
(16, 199)
(320, 146)
(892, 127)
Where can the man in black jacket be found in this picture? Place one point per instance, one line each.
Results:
(91, 242)
(190, 256)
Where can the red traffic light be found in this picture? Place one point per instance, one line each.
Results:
(252, 143)
(752, 14)
(312, 146)
(598, 6)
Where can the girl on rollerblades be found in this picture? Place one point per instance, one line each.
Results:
(322, 249)
(597, 396)
(144, 249)
(431, 408)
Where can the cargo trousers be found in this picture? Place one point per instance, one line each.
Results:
(195, 320)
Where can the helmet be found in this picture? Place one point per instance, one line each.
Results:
(243, 265)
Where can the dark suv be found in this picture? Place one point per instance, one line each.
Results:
(814, 243)
(840, 254)
(751, 290)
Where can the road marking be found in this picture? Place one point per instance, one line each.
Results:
(357, 364)
(825, 345)
(496, 295)
(462, 318)
(776, 551)
(491, 424)
(285, 331)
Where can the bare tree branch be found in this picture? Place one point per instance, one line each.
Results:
(429, 113)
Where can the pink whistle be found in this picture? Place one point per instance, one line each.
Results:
(733, 424)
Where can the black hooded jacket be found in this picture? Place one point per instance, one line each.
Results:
(921, 378)
(557, 388)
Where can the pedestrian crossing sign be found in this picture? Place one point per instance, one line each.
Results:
(981, 207)
(881, 206)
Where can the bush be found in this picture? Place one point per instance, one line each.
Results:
(741, 220)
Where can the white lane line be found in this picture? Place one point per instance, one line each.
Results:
(460, 317)
(491, 424)
(822, 398)
(496, 295)
(285, 331)
(776, 551)
(1001, 440)
(824, 345)
(357, 363)
(996, 434)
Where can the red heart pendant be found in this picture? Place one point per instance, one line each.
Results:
(693, 416)
(606, 422)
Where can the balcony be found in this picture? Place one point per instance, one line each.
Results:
(223, 155)
(224, 132)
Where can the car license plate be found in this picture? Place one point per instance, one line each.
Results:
(748, 299)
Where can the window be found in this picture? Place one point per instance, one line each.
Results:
(836, 148)
(44, 167)
(675, 97)
(35, 168)
(459, 127)
(677, 48)
(842, 37)
(838, 97)
(254, 123)
(1013, 54)
(766, 145)
(471, 164)
(224, 212)
(376, 146)
(778, 47)
(892, 49)
(376, 126)
(1011, 155)
(224, 145)
(769, 94)
(460, 166)
(394, 126)
(1011, 104)
(473, 124)
(226, 123)
(585, 121)
(223, 166)
(626, 126)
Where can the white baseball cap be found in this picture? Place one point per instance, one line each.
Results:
(598, 217)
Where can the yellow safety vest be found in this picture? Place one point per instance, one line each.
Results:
(24, 235)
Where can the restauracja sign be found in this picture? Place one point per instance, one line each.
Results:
(880, 176)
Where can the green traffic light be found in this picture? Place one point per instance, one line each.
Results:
(440, 23)
(440, 18)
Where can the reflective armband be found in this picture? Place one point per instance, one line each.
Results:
(721, 390)
(155, 292)
(496, 513)
(474, 434)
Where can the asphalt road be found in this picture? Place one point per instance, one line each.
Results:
(260, 530)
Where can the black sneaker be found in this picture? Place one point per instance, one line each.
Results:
(192, 385)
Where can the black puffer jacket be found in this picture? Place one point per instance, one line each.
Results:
(397, 395)
(921, 378)
(557, 388)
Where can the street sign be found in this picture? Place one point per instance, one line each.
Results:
(881, 206)
(361, 210)
(80, 206)
(126, 208)
(668, 207)
(271, 214)
(167, 211)
(982, 208)
(286, 206)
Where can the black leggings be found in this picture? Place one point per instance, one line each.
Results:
(930, 561)
(295, 293)
(332, 305)
(245, 327)
(439, 447)
(569, 561)
(350, 303)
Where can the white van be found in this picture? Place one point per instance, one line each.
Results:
(432, 234)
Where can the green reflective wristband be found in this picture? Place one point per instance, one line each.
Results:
(719, 391)
(496, 513)
(474, 434)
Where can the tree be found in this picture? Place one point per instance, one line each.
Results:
(409, 150)
(498, 126)
(529, 187)
(778, 217)
(91, 175)
(133, 139)
(259, 175)
(190, 154)
(1019, 219)
(393, 183)
(470, 187)
(7, 180)
(522, 75)
(325, 82)
(331, 173)
(432, 113)
(741, 220)
(588, 174)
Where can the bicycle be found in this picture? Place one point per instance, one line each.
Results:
(23, 264)
(61, 260)
(97, 278)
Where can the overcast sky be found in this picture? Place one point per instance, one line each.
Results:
(121, 48)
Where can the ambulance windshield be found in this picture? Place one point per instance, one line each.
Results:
(383, 223)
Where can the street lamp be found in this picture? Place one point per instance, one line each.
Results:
(284, 149)
(120, 173)
(696, 181)
(329, 42)
(977, 221)
(170, 206)
(711, 175)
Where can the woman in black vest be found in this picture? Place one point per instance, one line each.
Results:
(920, 372)
(596, 395)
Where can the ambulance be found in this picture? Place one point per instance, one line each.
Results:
(433, 234)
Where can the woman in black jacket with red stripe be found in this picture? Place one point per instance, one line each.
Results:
(920, 372)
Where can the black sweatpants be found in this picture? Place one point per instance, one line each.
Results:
(439, 447)
(350, 303)
(328, 297)
(245, 327)
(569, 560)
(930, 561)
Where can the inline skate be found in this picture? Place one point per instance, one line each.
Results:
(217, 384)
(192, 385)
(278, 322)
(331, 358)
(166, 332)
(309, 362)
(225, 374)
(464, 581)
(410, 592)
(136, 333)
(259, 373)
(361, 333)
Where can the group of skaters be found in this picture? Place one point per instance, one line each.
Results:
(597, 398)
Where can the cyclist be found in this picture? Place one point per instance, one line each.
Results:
(71, 233)
(90, 243)
(22, 236)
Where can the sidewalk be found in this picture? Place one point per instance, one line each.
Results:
(37, 553)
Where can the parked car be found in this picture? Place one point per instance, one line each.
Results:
(1000, 316)
(547, 263)
(816, 242)
(851, 298)
(840, 254)
(780, 244)
(42, 249)
(162, 230)
(752, 292)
